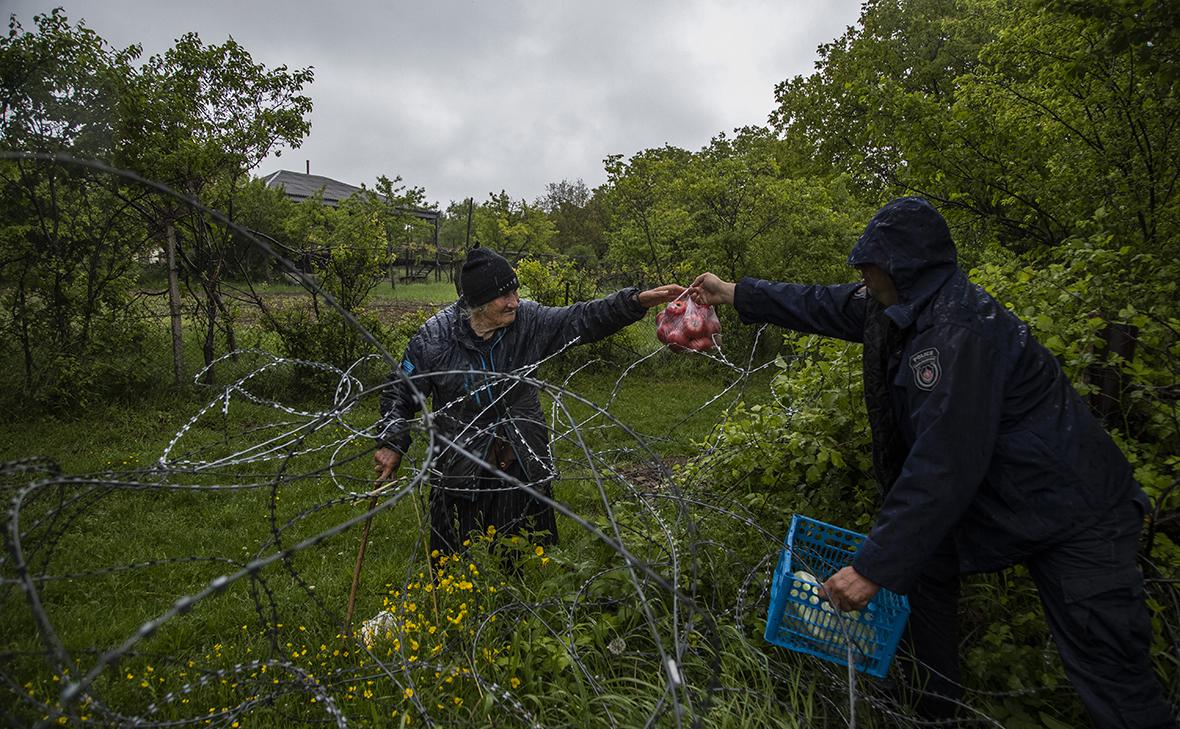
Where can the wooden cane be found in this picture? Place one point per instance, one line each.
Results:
(356, 571)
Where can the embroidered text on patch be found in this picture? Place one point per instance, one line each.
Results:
(927, 371)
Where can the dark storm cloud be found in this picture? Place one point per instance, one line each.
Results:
(470, 97)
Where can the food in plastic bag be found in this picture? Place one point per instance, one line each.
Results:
(685, 324)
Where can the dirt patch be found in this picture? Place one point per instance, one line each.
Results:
(647, 476)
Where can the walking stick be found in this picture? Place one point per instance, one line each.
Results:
(360, 559)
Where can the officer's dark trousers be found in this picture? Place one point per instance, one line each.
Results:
(1092, 592)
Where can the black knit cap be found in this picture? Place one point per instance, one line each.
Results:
(486, 275)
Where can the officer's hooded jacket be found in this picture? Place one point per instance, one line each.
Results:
(977, 433)
(477, 390)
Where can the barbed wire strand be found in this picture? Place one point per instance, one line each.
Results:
(662, 527)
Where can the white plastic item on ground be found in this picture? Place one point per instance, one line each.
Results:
(376, 627)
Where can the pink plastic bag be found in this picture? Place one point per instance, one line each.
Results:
(685, 325)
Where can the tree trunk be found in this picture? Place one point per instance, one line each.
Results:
(227, 324)
(1106, 401)
(174, 307)
(20, 315)
(210, 335)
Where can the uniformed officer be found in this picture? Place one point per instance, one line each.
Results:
(987, 458)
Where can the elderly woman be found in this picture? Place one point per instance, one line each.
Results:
(458, 359)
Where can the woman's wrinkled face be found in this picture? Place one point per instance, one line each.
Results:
(879, 284)
(500, 311)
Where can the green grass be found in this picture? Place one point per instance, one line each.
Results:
(430, 291)
(118, 554)
(121, 555)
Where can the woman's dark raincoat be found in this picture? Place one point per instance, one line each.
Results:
(476, 407)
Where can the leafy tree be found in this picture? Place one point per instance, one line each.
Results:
(349, 249)
(69, 249)
(1151, 27)
(200, 117)
(60, 86)
(409, 236)
(514, 226)
(1105, 120)
(1027, 116)
(750, 218)
(879, 105)
(647, 223)
(453, 233)
(578, 216)
(353, 243)
(730, 208)
(266, 211)
(196, 117)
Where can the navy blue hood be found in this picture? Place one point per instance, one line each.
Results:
(911, 242)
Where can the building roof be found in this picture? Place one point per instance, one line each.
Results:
(299, 186)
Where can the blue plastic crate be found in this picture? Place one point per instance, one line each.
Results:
(800, 620)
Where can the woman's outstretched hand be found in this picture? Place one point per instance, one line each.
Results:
(659, 295)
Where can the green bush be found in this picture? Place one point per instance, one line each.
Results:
(547, 282)
(1069, 300)
(327, 338)
(808, 450)
(122, 359)
(551, 282)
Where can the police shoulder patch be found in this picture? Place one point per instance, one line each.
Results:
(927, 370)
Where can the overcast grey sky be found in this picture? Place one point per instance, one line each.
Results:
(469, 97)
